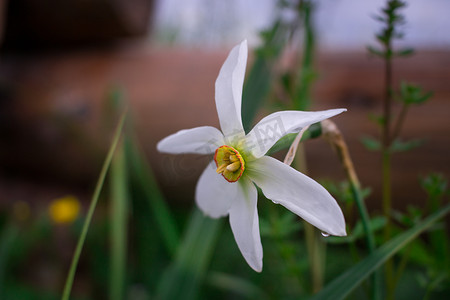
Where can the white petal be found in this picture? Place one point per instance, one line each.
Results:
(271, 128)
(298, 193)
(214, 195)
(245, 224)
(229, 85)
(201, 140)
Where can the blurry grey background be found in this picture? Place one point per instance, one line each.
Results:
(341, 24)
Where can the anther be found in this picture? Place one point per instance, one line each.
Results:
(233, 158)
(234, 166)
(221, 168)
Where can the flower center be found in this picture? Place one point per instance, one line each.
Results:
(229, 163)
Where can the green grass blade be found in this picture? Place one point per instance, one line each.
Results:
(184, 277)
(119, 221)
(353, 277)
(302, 97)
(365, 219)
(259, 81)
(93, 204)
(142, 173)
(255, 90)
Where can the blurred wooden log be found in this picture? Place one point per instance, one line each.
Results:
(32, 25)
(53, 128)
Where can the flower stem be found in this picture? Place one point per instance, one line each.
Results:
(387, 100)
(316, 255)
(302, 97)
(314, 246)
(386, 190)
(335, 138)
(400, 121)
(119, 222)
(386, 164)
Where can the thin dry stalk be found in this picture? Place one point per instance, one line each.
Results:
(293, 149)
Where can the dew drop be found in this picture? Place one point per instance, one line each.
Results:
(324, 234)
(275, 202)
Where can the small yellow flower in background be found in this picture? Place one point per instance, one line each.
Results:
(64, 210)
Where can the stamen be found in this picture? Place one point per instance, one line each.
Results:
(221, 168)
(229, 163)
(234, 166)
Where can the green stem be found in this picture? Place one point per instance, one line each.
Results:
(386, 164)
(314, 246)
(119, 216)
(376, 279)
(387, 99)
(302, 99)
(334, 136)
(94, 200)
(400, 121)
(386, 191)
(316, 251)
(391, 19)
(362, 210)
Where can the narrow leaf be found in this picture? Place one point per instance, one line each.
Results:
(142, 173)
(93, 204)
(370, 143)
(255, 90)
(405, 52)
(258, 83)
(375, 51)
(342, 286)
(119, 223)
(377, 119)
(400, 146)
(183, 278)
(413, 94)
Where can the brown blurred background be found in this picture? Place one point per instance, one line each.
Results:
(60, 60)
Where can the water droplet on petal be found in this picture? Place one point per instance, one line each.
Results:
(324, 234)
(275, 202)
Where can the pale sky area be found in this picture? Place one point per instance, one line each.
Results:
(341, 24)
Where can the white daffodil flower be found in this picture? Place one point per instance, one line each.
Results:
(227, 185)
